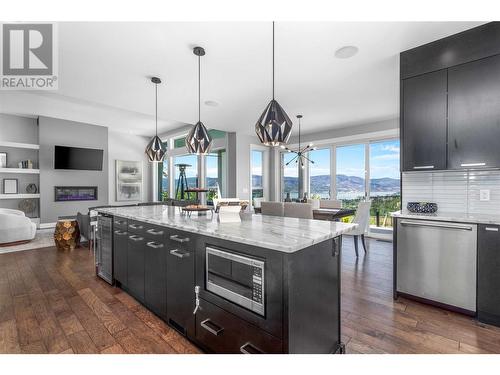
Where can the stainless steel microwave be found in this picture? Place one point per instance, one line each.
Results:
(237, 278)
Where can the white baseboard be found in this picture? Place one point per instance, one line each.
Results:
(46, 225)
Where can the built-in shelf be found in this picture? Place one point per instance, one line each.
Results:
(20, 170)
(19, 145)
(19, 196)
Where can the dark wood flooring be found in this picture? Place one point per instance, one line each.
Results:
(51, 302)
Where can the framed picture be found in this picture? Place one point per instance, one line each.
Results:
(3, 160)
(10, 186)
(128, 180)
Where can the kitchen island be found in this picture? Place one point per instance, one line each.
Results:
(264, 285)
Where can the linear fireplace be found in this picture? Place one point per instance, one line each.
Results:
(75, 193)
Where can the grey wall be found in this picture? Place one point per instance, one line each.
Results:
(76, 134)
(22, 130)
(132, 148)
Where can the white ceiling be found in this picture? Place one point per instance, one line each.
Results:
(108, 65)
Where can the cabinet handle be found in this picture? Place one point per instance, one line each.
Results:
(155, 232)
(175, 237)
(436, 225)
(424, 167)
(120, 232)
(491, 229)
(136, 238)
(119, 222)
(179, 254)
(473, 164)
(133, 226)
(154, 245)
(248, 348)
(216, 331)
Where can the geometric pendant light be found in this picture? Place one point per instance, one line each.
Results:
(198, 141)
(273, 127)
(156, 149)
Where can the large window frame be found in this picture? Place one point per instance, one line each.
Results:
(172, 152)
(333, 145)
(265, 171)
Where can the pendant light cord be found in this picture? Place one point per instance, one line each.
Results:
(273, 60)
(299, 134)
(156, 109)
(199, 88)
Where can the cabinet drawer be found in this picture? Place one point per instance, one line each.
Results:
(135, 227)
(154, 233)
(222, 332)
(120, 223)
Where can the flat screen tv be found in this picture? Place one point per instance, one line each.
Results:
(89, 159)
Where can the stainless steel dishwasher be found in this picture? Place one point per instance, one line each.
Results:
(437, 261)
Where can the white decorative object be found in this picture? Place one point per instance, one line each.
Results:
(315, 203)
(10, 186)
(128, 180)
(229, 214)
(14, 226)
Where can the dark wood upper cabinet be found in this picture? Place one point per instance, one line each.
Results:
(469, 45)
(474, 114)
(423, 121)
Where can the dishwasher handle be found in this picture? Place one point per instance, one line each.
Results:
(435, 225)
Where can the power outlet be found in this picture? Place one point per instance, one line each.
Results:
(484, 195)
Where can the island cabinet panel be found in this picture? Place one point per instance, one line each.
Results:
(135, 254)
(312, 299)
(222, 332)
(155, 270)
(180, 253)
(474, 114)
(488, 275)
(120, 243)
(423, 122)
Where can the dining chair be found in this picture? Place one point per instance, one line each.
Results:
(272, 208)
(298, 210)
(362, 218)
(330, 203)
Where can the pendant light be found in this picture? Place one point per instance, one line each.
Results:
(274, 126)
(301, 153)
(198, 141)
(155, 148)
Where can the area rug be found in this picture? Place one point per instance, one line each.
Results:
(43, 238)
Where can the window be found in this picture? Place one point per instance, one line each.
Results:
(350, 177)
(190, 163)
(257, 170)
(180, 142)
(319, 173)
(290, 176)
(385, 187)
(216, 165)
(163, 180)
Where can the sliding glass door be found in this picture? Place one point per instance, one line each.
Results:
(190, 164)
(289, 176)
(215, 177)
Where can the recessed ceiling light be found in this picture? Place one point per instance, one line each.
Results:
(346, 52)
(211, 103)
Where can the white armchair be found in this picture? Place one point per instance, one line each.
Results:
(15, 227)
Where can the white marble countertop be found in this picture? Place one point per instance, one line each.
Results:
(450, 216)
(277, 233)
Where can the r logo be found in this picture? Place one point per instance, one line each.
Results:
(27, 50)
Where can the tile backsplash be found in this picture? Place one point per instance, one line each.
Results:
(454, 191)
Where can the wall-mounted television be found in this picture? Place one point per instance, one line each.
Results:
(89, 159)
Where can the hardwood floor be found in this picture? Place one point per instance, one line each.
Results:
(51, 302)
